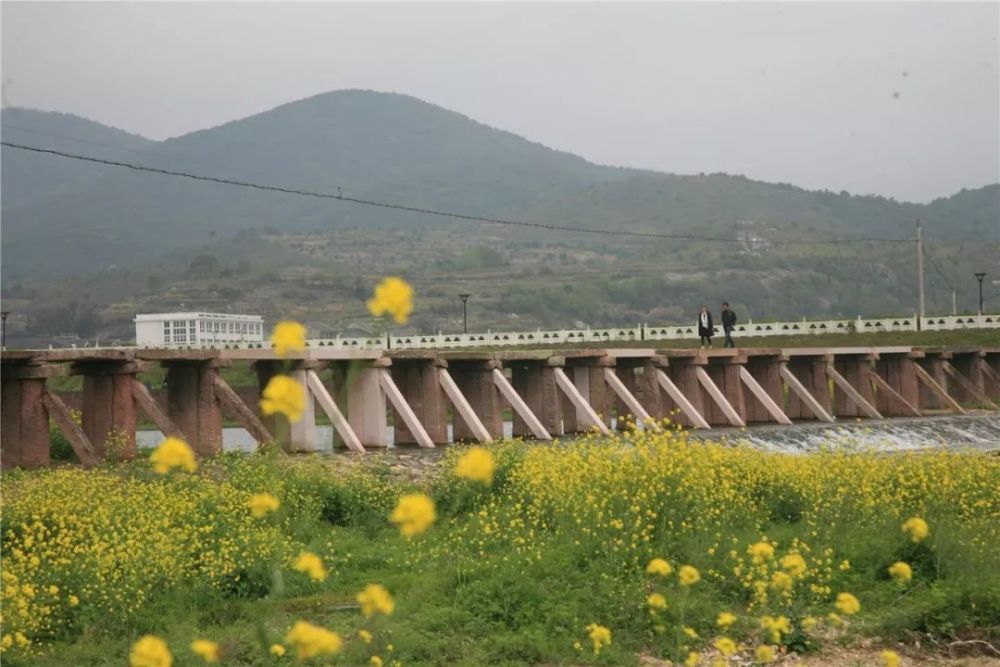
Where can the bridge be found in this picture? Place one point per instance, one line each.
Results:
(549, 393)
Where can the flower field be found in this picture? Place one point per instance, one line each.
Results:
(592, 552)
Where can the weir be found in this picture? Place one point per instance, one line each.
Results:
(433, 397)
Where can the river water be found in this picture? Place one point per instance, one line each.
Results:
(974, 431)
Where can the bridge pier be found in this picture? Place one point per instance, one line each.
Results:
(765, 370)
(418, 377)
(192, 404)
(683, 372)
(724, 371)
(810, 371)
(897, 392)
(109, 410)
(366, 405)
(24, 421)
(535, 382)
(474, 379)
(860, 402)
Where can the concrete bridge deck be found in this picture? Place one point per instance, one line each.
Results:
(548, 392)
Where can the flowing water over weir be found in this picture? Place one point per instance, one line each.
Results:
(975, 431)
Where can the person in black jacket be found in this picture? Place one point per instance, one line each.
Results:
(705, 327)
(728, 324)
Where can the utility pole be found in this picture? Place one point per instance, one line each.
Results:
(920, 275)
(465, 312)
(954, 302)
(979, 277)
(5, 313)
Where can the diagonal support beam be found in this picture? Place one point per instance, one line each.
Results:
(772, 408)
(989, 372)
(149, 407)
(720, 399)
(578, 401)
(327, 404)
(681, 400)
(796, 386)
(629, 399)
(247, 418)
(968, 386)
(74, 434)
(931, 384)
(519, 406)
(395, 397)
(887, 388)
(462, 406)
(852, 393)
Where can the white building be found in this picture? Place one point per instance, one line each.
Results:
(197, 329)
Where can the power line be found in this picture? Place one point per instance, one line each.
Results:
(427, 211)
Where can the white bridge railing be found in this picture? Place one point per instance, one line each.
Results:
(638, 334)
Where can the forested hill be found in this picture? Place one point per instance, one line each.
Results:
(65, 217)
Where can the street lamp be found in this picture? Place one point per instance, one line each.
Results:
(3, 328)
(980, 276)
(465, 311)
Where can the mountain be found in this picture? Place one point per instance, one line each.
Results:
(82, 238)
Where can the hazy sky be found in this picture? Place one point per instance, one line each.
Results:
(897, 99)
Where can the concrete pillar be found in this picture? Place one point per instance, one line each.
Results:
(109, 410)
(275, 424)
(648, 390)
(683, 371)
(852, 368)
(626, 373)
(535, 382)
(767, 372)
(587, 375)
(992, 380)
(934, 365)
(192, 406)
(302, 434)
(366, 410)
(967, 364)
(475, 381)
(897, 371)
(811, 372)
(418, 380)
(24, 423)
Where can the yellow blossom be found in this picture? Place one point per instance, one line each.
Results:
(690, 632)
(284, 395)
(764, 653)
(775, 627)
(288, 336)
(809, 622)
(794, 564)
(656, 601)
(150, 651)
(688, 575)
(376, 661)
(206, 650)
(311, 564)
(73, 600)
(781, 581)
(847, 604)
(53, 590)
(374, 599)
(173, 453)
(725, 619)
(725, 646)
(692, 659)
(901, 572)
(916, 528)
(262, 503)
(477, 465)
(414, 514)
(310, 641)
(393, 296)
(659, 566)
(889, 658)
(761, 551)
(599, 635)
(365, 636)
(277, 650)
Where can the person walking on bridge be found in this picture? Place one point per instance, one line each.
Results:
(705, 327)
(728, 324)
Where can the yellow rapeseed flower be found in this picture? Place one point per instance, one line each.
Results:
(762, 551)
(916, 528)
(206, 650)
(311, 564)
(847, 604)
(393, 296)
(599, 635)
(73, 600)
(794, 564)
(262, 503)
(173, 453)
(375, 599)
(776, 626)
(277, 650)
(901, 572)
(288, 336)
(659, 566)
(285, 395)
(365, 636)
(688, 575)
(376, 661)
(692, 659)
(656, 601)
(690, 632)
(781, 581)
(150, 651)
(725, 619)
(725, 646)
(414, 514)
(476, 464)
(889, 658)
(310, 641)
(764, 653)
